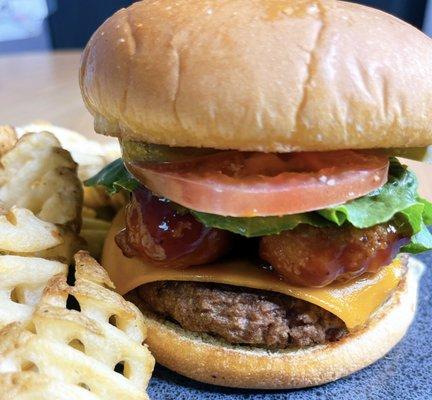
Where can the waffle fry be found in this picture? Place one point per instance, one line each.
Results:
(88, 212)
(22, 281)
(33, 386)
(95, 197)
(39, 175)
(60, 340)
(8, 138)
(83, 346)
(94, 231)
(40, 194)
(21, 231)
(91, 157)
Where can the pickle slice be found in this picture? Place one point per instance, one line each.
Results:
(423, 154)
(154, 153)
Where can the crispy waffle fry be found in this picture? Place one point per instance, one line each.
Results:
(23, 350)
(83, 346)
(71, 243)
(94, 231)
(8, 138)
(33, 386)
(90, 155)
(39, 175)
(88, 212)
(22, 281)
(22, 232)
(39, 188)
(60, 340)
(96, 197)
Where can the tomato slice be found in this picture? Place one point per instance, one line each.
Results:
(247, 184)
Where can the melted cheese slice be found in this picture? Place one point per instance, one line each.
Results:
(352, 302)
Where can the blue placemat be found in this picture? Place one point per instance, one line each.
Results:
(405, 373)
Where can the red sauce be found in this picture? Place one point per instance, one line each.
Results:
(157, 231)
(315, 257)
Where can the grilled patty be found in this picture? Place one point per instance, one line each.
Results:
(242, 315)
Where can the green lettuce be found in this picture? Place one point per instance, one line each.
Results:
(397, 201)
(260, 226)
(114, 177)
(398, 194)
(421, 241)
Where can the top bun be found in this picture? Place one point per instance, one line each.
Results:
(261, 75)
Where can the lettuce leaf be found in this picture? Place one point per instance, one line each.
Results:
(420, 242)
(398, 194)
(114, 177)
(260, 226)
(397, 200)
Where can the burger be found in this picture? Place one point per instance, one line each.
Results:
(268, 218)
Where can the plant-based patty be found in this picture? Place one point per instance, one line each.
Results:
(242, 315)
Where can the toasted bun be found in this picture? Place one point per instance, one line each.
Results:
(209, 360)
(261, 75)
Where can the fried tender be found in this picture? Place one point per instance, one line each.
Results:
(82, 346)
(310, 256)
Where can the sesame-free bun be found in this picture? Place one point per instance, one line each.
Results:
(213, 361)
(262, 75)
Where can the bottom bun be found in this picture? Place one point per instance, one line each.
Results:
(210, 360)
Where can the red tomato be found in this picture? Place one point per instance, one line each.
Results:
(246, 184)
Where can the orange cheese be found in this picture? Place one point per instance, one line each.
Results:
(352, 302)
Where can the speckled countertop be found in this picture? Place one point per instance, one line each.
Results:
(405, 373)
